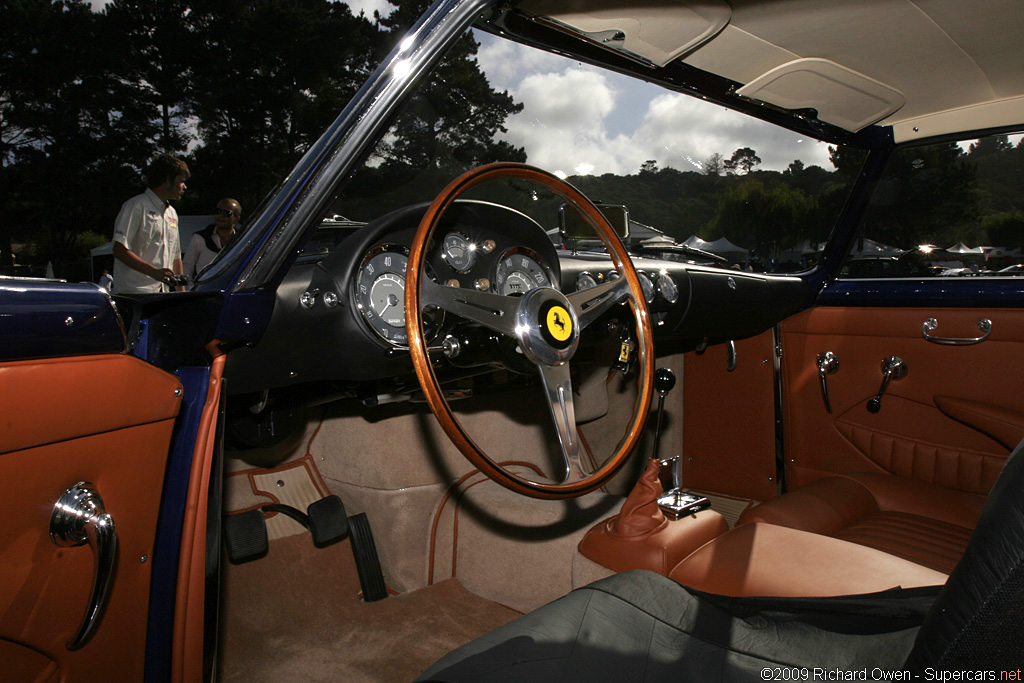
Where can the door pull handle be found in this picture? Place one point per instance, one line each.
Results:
(931, 324)
(828, 364)
(79, 518)
(893, 368)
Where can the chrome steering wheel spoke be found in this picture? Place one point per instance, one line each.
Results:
(494, 311)
(590, 304)
(558, 390)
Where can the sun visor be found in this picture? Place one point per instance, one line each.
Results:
(841, 96)
(657, 31)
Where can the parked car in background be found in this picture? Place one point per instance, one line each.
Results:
(409, 427)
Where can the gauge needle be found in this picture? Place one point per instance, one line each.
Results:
(392, 301)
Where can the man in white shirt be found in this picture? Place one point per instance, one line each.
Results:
(147, 250)
(208, 242)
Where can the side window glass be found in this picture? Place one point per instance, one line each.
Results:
(953, 209)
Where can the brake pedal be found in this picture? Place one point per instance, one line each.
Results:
(245, 536)
(371, 578)
(328, 521)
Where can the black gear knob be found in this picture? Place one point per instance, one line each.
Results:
(664, 380)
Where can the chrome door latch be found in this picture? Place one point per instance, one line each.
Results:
(893, 368)
(78, 518)
(931, 324)
(828, 364)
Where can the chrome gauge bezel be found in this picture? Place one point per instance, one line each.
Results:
(585, 280)
(530, 262)
(381, 265)
(668, 288)
(451, 245)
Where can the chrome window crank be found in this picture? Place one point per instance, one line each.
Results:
(893, 368)
(78, 517)
(828, 364)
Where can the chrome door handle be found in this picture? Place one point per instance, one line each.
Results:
(79, 517)
(931, 324)
(893, 368)
(828, 364)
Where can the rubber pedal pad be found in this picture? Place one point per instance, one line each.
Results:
(371, 578)
(328, 521)
(245, 536)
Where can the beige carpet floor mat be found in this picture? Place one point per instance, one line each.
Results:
(296, 615)
(296, 483)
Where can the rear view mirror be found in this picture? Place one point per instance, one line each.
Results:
(575, 227)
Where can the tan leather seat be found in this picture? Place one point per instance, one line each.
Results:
(920, 522)
(768, 560)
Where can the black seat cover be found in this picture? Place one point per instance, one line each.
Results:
(641, 626)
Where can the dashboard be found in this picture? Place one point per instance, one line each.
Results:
(340, 318)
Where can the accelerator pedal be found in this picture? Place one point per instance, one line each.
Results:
(371, 578)
(245, 536)
(328, 521)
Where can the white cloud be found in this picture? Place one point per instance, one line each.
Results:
(578, 116)
(368, 7)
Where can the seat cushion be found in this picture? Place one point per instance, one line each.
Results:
(641, 626)
(920, 522)
(768, 560)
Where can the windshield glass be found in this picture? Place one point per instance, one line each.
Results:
(689, 173)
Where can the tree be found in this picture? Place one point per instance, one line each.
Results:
(649, 166)
(743, 161)
(771, 217)
(714, 165)
(269, 78)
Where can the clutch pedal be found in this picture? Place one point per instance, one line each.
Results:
(245, 536)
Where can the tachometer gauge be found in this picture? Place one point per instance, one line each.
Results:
(458, 252)
(518, 272)
(646, 285)
(667, 287)
(380, 293)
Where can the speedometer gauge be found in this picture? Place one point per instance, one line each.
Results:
(380, 295)
(518, 272)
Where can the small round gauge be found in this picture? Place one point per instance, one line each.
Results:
(667, 287)
(518, 272)
(380, 293)
(646, 285)
(458, 252)
(585, 281)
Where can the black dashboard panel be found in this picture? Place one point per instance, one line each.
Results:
(341, 319)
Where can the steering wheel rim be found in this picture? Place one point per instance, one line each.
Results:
(536, 320)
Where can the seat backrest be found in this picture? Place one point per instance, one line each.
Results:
(977, 621)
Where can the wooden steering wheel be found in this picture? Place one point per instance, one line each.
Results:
(545, 323)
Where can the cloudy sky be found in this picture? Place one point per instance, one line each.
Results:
(578, 119)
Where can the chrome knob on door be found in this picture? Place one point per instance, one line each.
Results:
(893, 368)
(78, 518)
(828, 364)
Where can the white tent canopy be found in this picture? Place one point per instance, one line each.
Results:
(721, 246)
(869, 247)
(961, 248)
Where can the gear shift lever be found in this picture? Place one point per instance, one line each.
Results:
(674, 502)
(664, 380)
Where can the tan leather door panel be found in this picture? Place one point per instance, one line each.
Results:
(729, 420)
(101, 419)
(949, 421)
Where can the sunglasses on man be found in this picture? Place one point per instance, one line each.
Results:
(227, 213)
